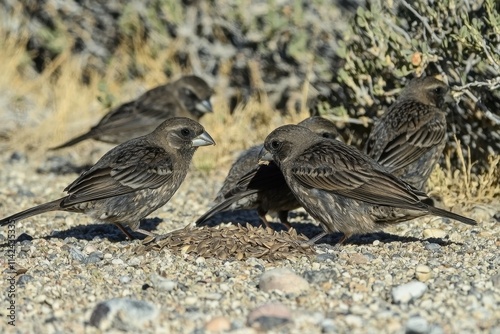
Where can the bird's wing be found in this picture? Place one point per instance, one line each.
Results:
(405, 140)
(337, 169)
(262, 177)
(132, 116)
(141, 167)
(159, 102)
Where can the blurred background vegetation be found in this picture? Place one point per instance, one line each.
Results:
(65, 62)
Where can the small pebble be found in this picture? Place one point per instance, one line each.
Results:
(319, 276)
(434, 233)
(117, 262)
(122, 314)
(94, 257)
(282, 279)
(125, 279)
(357, 258)
(17, 157)
(267, 316)
(218, 324)
(433, 247)
(76, 254)
(406, 292)
(354, 320)
(423, 272)
(23, 279)
(162, 283)
(328, 326)
(495, 280)
(376, 242)
(325, 256)
(90, 249)
(212, 296)
(191, 300)
(417, 325)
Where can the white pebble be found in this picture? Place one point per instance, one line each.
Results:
(434, 233)
(406, 292)
(417, 325)
(423, 273)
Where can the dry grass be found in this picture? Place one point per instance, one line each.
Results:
(461, 185)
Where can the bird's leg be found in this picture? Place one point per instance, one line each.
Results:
(127, 233)
(283, 216)
(150, 236)
(262, 216)
(342, 239)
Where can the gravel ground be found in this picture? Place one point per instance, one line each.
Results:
(425, 276)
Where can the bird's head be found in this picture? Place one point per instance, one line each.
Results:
(182, 133)
(321, 126)
(427, 90)
(282, 142)
(194, 94)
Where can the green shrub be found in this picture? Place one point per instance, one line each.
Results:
(457, 39)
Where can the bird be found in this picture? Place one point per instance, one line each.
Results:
(133, 179)
(342, 188)
(187, 97)
(249, 185)
(410, 137)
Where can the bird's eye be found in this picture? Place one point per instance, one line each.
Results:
(326, 135)
(189, 93)
(275, 144)
(185, 132)
(439, 91)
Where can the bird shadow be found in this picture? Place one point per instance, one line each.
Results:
(105, 231)
(242, 217)
(90, 232)
(239, 217)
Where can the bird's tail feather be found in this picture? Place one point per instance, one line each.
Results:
(74, 141)
(223, 206)
(448, 214)
(46, 207)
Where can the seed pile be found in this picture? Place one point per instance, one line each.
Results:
(228, 241)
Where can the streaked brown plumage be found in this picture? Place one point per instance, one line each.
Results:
(249, 185)
(187, 97)
(344, 190)
(133, 179)
(409, 138)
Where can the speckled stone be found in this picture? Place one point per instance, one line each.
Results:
(283, 279)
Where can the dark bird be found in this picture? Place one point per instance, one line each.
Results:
(249, 185)
(410, 137)
(344, 190)
(187, 97)
(133, 179)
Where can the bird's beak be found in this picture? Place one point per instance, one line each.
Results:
(204, 106)
(203, 140)
(448, 98)
(265, 157)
